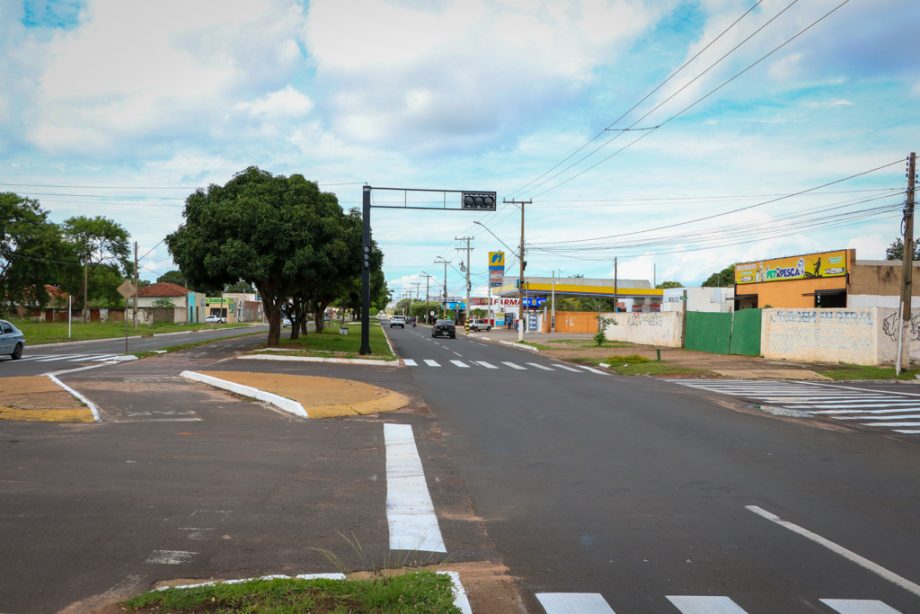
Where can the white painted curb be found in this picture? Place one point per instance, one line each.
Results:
(288, 405)
(389, 343)
(92, 406)
(603, 364)
(520, 346)
(460, 599)
(340, 361)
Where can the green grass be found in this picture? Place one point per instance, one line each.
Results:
(192, 344)
(534, 344)
(847, 371)
(330, 344)
(421, 591)
(636, 364)
(38, 333)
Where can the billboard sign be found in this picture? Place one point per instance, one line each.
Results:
(807, 266)
(532, 302)
(496, 268)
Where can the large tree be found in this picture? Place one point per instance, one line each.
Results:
(895, 251)
(273, 232)
(98, 241)
(722, 279)
(665, 285)
(173, 277)
(31, 252)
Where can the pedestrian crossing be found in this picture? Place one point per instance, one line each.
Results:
(67, 357)
(883, 409)
(594, 603)
(483, 364)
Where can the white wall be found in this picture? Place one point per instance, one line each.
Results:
(662, 329)
(878, 300)
(699, 299)
(821, 335)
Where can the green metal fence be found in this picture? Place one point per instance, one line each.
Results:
(724, 333)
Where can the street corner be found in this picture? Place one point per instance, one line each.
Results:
(36, 398)
(319, 397)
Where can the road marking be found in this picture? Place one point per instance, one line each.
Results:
(888, 417)
(838, 549)
(458, 354)
(409, 362)
(866, 411)
(593, 370)
(431, 363)
(410, 512)
(514, 366)
(539, 366)
(574, 603)
(93, 357)
(169, 557)
(485, 364)
(566, 367)
(92, 406)
(58, 357)
(907, 432)
(890, 423)
(859, 606)
(688, 604)
(460, 363)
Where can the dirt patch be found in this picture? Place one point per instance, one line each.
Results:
(322, 397)
(37, 398)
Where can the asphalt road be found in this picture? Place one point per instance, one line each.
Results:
(39, 359)
(638, 489)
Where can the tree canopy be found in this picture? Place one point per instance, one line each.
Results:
(31, 251)
(284, 236)
(670, 284)
(173, 277)
(721, 279)
(895, 251)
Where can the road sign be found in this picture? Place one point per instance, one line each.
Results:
(496, 269)
(126, 289)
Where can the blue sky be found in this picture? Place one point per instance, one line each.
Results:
(133, 104)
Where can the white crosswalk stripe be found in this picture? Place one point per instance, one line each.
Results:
(56, 358)
(68, 357)
(515, 366)
(574, 603)
(409, 362)
(432, 363)
(460, 363)
(876, 408)
(566, 367)
(594, 603)
(593, 370)
(537, 365)
(859, 606)
(485, 364)
(466, 364)
(705, 604)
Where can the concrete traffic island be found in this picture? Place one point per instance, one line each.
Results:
(318, 397)
(39, 399)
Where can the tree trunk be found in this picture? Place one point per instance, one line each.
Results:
(318, 319)
(272, 307)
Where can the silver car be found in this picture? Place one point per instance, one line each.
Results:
(12, 341)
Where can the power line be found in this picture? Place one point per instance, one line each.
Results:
(105, 187)
(646, 97)
(736, 210)
(129, 197)
(690, 106)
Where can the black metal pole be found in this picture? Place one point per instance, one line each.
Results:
(366, 275)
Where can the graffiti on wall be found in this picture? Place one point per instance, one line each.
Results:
(890, 327)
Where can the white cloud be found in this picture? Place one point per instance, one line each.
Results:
(284, 103)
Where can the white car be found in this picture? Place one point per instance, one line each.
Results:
(214, 319)
(285, 322)
(480, 325)
(399, 321)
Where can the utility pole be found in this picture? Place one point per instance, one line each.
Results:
(427, 308)
(907, 269)
(417, 284)
(616, 286)
(441, 260)
(553, 315)
(523, 266)
(466, 322)
(134, 311)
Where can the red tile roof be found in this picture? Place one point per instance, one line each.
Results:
(162, 288)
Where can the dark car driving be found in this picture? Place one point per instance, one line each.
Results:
(444, 328)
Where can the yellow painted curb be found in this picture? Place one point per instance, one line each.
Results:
(321, 397)
(38, 399)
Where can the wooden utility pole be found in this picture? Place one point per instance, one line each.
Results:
(85, 290)
(907, 269)
(467, 249)
(427, 297)
(441, 260)
(523, 266)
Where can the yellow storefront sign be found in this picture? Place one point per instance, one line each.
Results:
(807, 266)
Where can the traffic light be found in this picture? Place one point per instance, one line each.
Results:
(479, 201)
(367, 257)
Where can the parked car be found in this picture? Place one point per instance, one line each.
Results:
(480, 325)
(444, 328)
(12, 341)
(285, 322)
(213, 319)
(399, 321)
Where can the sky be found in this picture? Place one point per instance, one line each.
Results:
(676, 137)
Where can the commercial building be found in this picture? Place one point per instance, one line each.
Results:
(822, 279)
(632, 295)
(153, 300)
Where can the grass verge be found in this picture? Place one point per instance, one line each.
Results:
(330, 344)
(191, 344)
(862, 372)
(588, 343)
(38, 333)
(421, 591)
(635, 364)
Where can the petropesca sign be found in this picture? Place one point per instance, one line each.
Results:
(807, 266)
